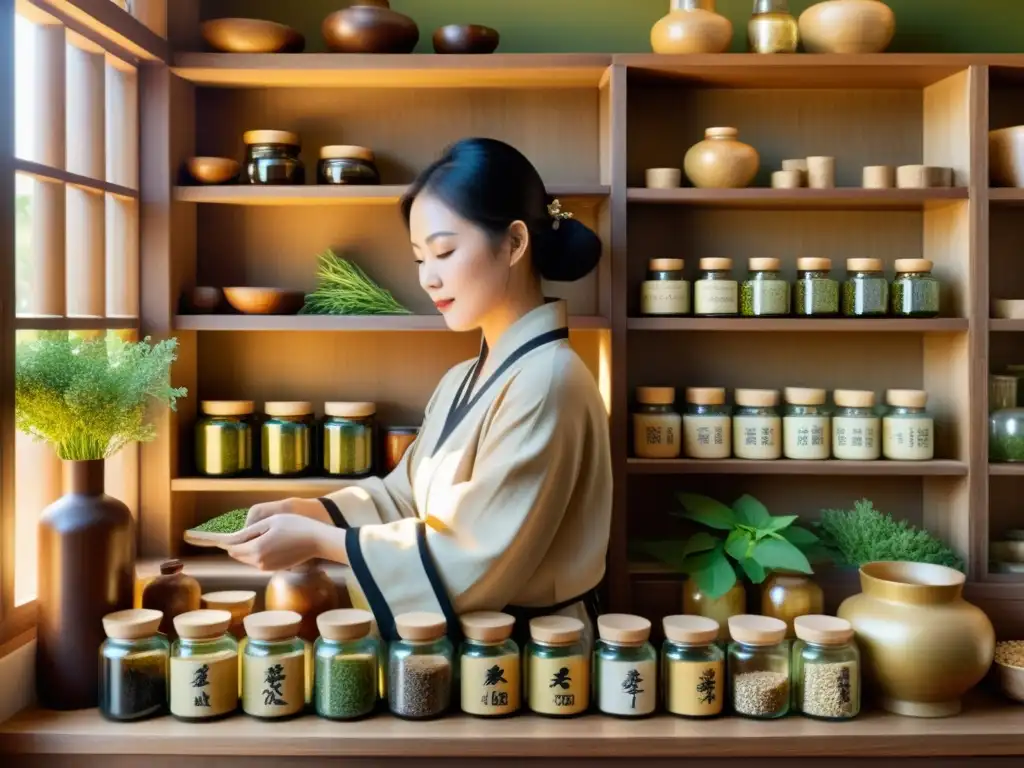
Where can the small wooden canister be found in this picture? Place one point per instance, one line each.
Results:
(396, 442)
(879, 177)
(821, 172)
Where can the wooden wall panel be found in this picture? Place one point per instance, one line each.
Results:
(85, 247)
(85, 113)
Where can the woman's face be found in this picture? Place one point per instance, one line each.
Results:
(459, 267)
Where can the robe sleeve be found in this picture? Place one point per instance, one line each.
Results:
(475, 548)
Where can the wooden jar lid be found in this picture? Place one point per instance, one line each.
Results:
(764, 264)
(202, 624)
(690, 630)
(722, 132)
(342, 624)
(854, 398)
(272, 626)
(757, 630)
(716, 264)
(666, 265)
(271, 137)
(914, 265)
(804, 396)
(623, 629)
(346, 152)
(170, 567)
(757, 398)
(133, 624)
(556, 630)
(906, 398)
(813, 264)
(705, 395)
(823, 630)
(227, 407)
(345, 410)
(420, 625)
(863, 265)
(656, 395)
(487, 626)
(288, 409)
(238, 603)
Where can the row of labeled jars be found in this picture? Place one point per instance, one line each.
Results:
(292, 441)
(807, 429)
(201, 676)
(273, 157)
(866, 292)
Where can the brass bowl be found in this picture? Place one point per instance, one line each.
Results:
(265, 301)
(370, 26)
(212, 170)
(251, 36)
(466, 38)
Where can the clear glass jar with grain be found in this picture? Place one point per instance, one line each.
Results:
(224, 438)
(692, 667)
(273, 666)
(489, 665)
(816, 293)
(856, 428)
(915, 291)
(807, 425)
(557, 667)
(625, 666)
(759, 667)
(348, 438)
(764, 293)
(707, 424)
(204, 667)
(826, 668)
(286, 448)
(656, 424)
(908, 431)
(866, 291)
(756, 426)
(716, 292)
(665, 293)
(346, 671)
(420, 667)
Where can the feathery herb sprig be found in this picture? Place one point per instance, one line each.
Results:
(344, 289)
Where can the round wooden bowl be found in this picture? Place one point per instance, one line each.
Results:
(466, 38)
(370, 26)
(212, 170)
(265, 301)
(1006, 156)
(251, 36)
(205, 298)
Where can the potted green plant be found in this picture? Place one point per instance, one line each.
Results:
(88, 399)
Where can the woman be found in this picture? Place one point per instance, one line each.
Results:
(504, 500)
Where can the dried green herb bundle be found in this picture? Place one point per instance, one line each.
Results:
(229, 522)
(344, 289)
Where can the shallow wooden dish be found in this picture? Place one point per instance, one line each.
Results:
(212, 170)
(265, 301)
(251, 36)
(206, 539)
(466, 38)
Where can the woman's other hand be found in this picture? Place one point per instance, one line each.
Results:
(309, 508)
(278, 542)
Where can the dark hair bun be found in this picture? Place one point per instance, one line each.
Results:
(567, 253)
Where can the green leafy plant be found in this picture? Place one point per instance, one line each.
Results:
(865, 535)
(89, 398)
(344, 289)
(756, 544)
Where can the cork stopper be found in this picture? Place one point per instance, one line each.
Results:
(854, 398)
(227, 407)
(757, 630)
(906, 398)
(133, 624)
(288, 409)
(721, 133)
(419, 626)
(271, 137)
(823, 630)
(171, 567)
(272, 626)
(487, 626)
(690, 630)
(716, 264)
(757, 398)
(343, 624)
(666, 265)
(914, 265)
(202, 625)
(863, 265)
(705, 395)
(764, 265)
(656, 395)
(623, 629)
(811, 264)
(346, 152)
(803, 396)
(353, 410)
(238, 603)
(556, 630)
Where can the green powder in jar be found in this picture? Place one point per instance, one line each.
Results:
(1006, 448)
(229, 522)
(346, 686)
(913, 297)
(816, 297)
(865, 297)
(759, 298)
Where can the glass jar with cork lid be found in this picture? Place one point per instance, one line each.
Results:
(692, 667)
(287, 445)
(347, 656)
(826, 668)
(915, 291)
(815, 293)
(764, 293)
(489, 665)
(807, 426)
(420, 667)
(908, 432)
(239, 603)
(707, 425)
(716, 293)
(133, 666)
(856, 428)
(657, 427)
(756, 426)
(349, 438)
(224, 438)
(273, 157)
(204, 667)
(273, 666)
(625, 666)
(866, 291)
(665, 293)
(759, 667)
(557, 667)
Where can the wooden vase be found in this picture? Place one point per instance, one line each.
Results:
(370, 26)
(847, 26)
(692, 26)
(721, 161)
(785, 596)
(305, 589)
(172, 593)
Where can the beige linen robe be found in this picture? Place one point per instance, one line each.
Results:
(514, 508)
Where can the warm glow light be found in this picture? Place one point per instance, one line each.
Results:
(604, 370)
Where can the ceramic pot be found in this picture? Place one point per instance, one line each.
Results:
(785, 596)
(721, 161)
(370, 26)
(86, 562)
(173, 593)
(466, 38)
(692, 26)
(732, 603)
(305, 589)
(847, 26)
(924, 646)
(1006, 156)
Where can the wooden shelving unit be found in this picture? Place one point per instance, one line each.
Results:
(849, 199)
(306, 323)
(800, 325)
(831, 468)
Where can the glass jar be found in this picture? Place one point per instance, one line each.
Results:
(756, 426)
(856, 428)
(806, 427)
(557, 667)
(815, 294)
(759, 667)
(171, 593)
(287, 445)
(764, 293)
(272, 157)
(420, 667)
(692, 667)
(707, 425)
(1016, 371)
(715, 294)
(239, 603)
(826, 669)
(397, 440)
(625, 666)
(665, 293)
(656, 424)
(347, 657)
(915, 293)
(224, 438)
(1002, 392)
(772, 28)
(348, 439)
(204, 667)
(786, 595)
(133, 666)
(908, 432)
(1006, 435)
(273, 666)
(489, 665)
(346, 165)
(866, 291)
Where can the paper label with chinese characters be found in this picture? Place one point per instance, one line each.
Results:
(274, 686)
(490, 686)
(204, 686)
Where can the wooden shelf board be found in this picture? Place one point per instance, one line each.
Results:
(843, 198)
(297, 485)
(380, 323)
(59, 323)
(1008, 196)
(320, 70)
(219, 571)
(1007, 326)
(46, 173)
(788, 467)
(800, 324)
(1014, 468)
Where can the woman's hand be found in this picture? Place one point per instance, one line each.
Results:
(278, 542)
(309, 508)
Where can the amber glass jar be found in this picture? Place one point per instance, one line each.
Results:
(172, 593)
(397, 441)
(272, 157)
(346, 165)
(786, 595)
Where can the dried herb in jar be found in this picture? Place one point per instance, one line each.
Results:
(346, 686)
(760, 693)
(419, 686)
(828, 690)
(134, 687)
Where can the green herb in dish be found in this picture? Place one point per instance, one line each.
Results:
(229, 522)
